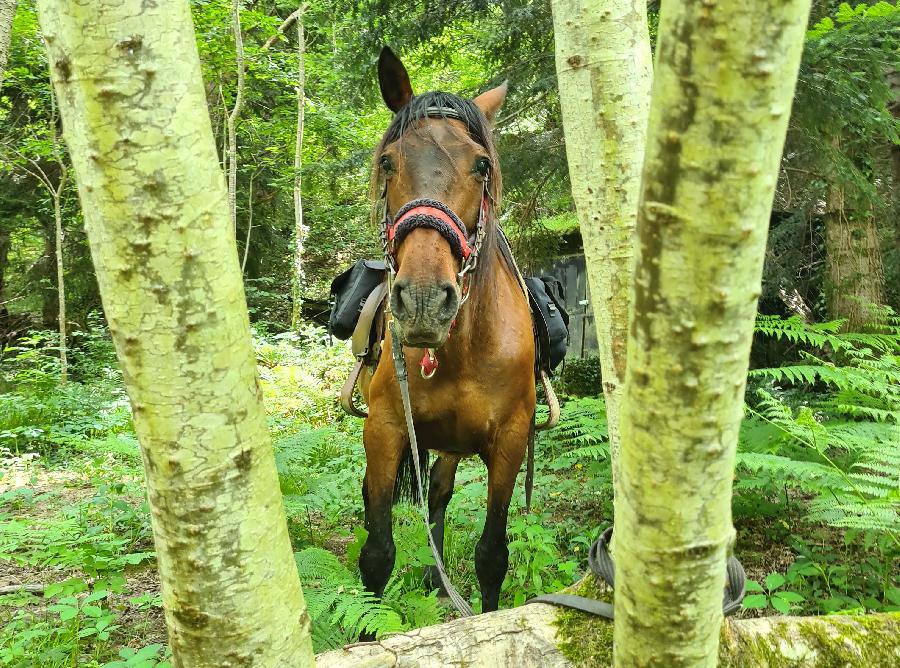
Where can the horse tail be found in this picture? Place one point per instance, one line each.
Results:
(529, 466)
(405, 486)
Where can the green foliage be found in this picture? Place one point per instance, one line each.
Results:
(838, 445)
(773, 595)
(581, 376)
(339, 605)
(819, 446)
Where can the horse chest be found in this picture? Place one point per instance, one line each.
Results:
(455, 422)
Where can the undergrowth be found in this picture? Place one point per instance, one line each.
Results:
(817, 468)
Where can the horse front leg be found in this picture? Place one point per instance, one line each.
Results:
(440, 490)
(384, 447)
(503, 460)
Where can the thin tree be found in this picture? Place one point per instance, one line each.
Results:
(7, 14)
(127, 76)
(298, 278)
(722, 94)
(55, 188)
(235, 112)
(300, 229)
(603, 66)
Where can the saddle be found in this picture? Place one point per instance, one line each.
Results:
(357, 308)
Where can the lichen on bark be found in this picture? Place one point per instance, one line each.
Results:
(722, 92)
(603, 70)
(127, 76)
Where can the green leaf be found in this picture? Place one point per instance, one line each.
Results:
(781, 605)
(756, 601)
(753, 585)
(893, 595)
(92, 611)
(774, 581)
(790, 596)
(66, 612)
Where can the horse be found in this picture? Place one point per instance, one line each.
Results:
(438, 173)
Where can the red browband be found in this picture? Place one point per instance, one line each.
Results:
(440, 215)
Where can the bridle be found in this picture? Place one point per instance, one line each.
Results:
(434, 214)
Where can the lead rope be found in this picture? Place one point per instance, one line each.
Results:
(603, 568)
(403, 378)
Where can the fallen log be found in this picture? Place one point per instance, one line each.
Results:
(544, 636)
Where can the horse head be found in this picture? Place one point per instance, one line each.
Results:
(438, 173)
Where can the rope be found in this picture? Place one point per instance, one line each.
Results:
(403, 378)
(601, 564)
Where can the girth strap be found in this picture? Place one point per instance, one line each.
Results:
(363, 330)
(360, 344)
(347, 391)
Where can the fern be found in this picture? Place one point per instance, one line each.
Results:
(340, 607)
(837, 446)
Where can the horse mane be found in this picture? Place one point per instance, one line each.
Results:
(480, 130)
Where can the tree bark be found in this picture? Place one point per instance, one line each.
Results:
(235, 112)
(300, 229)
(540, 636)
(722, 92)
(60, 279)
(5, 245)
(603, 67)
(7, 14)
(853, 263)
(127, 75)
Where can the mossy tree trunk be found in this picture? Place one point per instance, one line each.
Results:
(603, 67)
(127, 75)
(855, 272)
(7, 14)
(722, 91)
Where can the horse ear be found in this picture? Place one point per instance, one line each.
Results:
(393, 80)
(489, 102)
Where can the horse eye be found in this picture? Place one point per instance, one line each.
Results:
(482, 166)
(385, 164)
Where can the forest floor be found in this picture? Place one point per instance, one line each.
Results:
(74, 520)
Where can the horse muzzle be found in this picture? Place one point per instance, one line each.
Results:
(425, 311)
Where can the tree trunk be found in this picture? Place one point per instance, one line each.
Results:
(722, 92)
(300, 230)
(853, 263)
(540, 636)
(235, 112)
(5, 244)
(60, 281)
(603, 67)
(7, 14)
(127, 75)
(47, 272)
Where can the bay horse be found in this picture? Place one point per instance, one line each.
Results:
(438, 168)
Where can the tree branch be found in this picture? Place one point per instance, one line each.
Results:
(284, 26)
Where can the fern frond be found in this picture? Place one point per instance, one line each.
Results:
(340, 607)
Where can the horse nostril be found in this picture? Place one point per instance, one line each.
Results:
(402, 301)
(451, 300)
